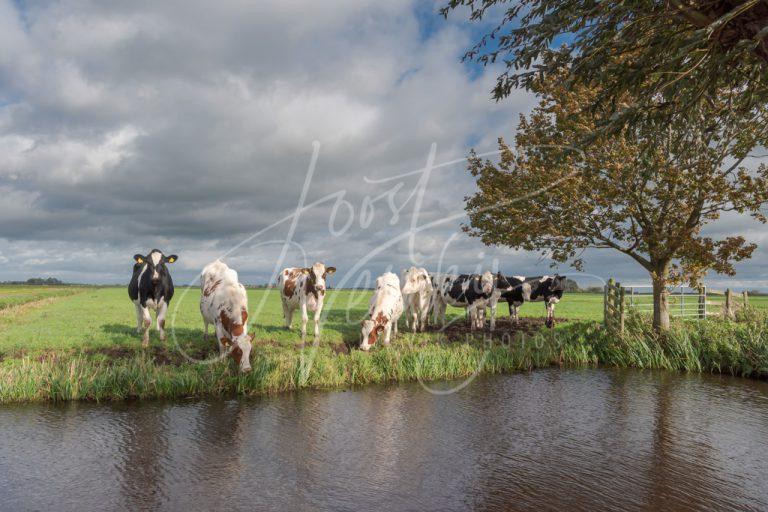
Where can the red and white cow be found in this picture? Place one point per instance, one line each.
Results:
(417, 295)
(385, 309)
(224, 303)
(303, 288)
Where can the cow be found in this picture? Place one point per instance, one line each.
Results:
(151, 287)
(224, 303)
(547, 289)
(303, 288)
(384, 310)
(417, 294)
(502, 285)
(470, 291)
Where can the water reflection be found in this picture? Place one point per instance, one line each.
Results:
(574, 439)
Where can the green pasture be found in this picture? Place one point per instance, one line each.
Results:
(12, 295)
(81, 343)
(105, 317)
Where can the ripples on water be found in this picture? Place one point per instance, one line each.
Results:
(575, 439)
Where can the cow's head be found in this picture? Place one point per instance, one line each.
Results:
(156, 264)
(557, 283)
(316, 276)
(486, 282)
(503, 282)
(369, 333)
(240, 351)
(416, 280)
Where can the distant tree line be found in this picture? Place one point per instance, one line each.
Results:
(38, 281)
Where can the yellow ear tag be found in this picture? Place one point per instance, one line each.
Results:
(140, 260)
(171, 260)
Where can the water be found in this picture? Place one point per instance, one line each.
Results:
(575, 439)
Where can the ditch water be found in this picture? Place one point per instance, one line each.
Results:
(552, 439)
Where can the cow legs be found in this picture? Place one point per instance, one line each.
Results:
(387, 331)
(481, 318)
(304, 319)
(146, 322)
(440, 308)
(316, 318)
(423, 319)
(550, 314)
(287, 315)
(139, 317)
(205, 331)
(394, 325)
(513, 312)
(162, 309)
(493, 315)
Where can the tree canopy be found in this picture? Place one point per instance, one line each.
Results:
(646, 191)
(669, 56)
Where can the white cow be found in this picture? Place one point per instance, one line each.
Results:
(385, 309)
(303, 288)
(224, 303)
(417, 295)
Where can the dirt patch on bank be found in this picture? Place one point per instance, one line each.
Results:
(505, 328)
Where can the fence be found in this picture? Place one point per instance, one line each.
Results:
(613, 305)
(683, 302)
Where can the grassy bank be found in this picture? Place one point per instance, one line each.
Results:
(84, 346)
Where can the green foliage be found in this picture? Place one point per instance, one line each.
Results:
(646, 191)
(670, 57)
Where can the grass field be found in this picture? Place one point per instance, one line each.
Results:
(17, 295)
(81, 343)
(105, 317)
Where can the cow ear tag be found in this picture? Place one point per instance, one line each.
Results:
(138, 258)
(171, 258)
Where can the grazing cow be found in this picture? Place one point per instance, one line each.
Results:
(224, 303)
(472, 292)
(151, 286)
(385, 309)
(417, 294)
(548, 289)
(303, 288)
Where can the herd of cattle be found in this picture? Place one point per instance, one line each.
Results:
(224, 303)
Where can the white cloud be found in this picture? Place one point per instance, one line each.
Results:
(131, 125)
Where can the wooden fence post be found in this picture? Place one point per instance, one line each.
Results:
(621, 308)
(745, 298)
(728, 305)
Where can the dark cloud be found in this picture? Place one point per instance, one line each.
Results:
(131, 125)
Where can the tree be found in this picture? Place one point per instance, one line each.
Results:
(669, 56)
(649, 204)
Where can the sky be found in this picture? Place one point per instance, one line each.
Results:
(270, 134)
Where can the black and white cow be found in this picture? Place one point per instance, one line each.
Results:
(151, 287)
(547, 289)
(503, 285)
(470, 291)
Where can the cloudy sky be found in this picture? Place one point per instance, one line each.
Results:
(202, 131)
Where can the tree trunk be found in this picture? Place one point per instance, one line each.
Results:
(660, 302)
